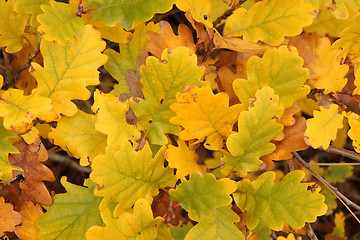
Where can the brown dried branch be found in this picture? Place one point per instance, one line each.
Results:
(342, 152)
(228, 12)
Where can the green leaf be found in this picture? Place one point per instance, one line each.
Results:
(69, 69)
(31, 7)
(281, 69)
(219, 226)
(12, 26)
(72, 132)
(279, 203)
(270, 21)
(256, 128)
(127, 175)
(179, 232)
(128, 11)
(202, 194)
(5, 148)
(71, 213)
(161, 80)
(111, 120)
(58, 23)
(119, 63)
(136, 225)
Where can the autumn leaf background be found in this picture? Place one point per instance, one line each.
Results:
(179, 119)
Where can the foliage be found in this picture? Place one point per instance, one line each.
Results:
(177, 111)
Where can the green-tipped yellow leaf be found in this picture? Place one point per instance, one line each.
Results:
(127, 11)
(119, 63)
(127, 175)
(58, 23)
(281, 69)
(31, 7)
(287, 201)
(12, 26)
(69, 69)
(77, 135)
(202, 194)
(5, 148)
(204, 115)
(256, 128)
(219, 226)
(270, 21)
(71, 213)
(323, 127)
(161, 80)
(136, 225)
(110, 119)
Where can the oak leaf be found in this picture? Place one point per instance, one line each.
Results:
(30, 213)
(340, 8)
(256, 127)
(183, 159)
(201, 195)
(200, 10)
(270, 21)
(138, 224)
(219, 226)
(167, 39)
(354, 132)
(281, 69)
(323, 127)
(5, 148)
(204, 115)
(12, 26)
(71, 213)
(119, 63)
(161, 80)
(114, 33)
(9, 218)
(279, 203)
(78, 136)
(69, 69)
(58, 23)
(30, 7)
(34, 172)
(127, 12)
(110, 119)
(127, 175)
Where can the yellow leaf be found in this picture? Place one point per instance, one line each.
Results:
(19, 111)
(77, 135)
(289, 237)
(328, 72)
(204, 115)
(161, 80)
(323, 127)
(256, 128)
(58, 23)
(183, 159)
(110, 119)
(30, 7)
(199, 9)
(136, 225)
(69, 69)
(357, 80)
(281, 69)
(12, 26)
(339, 230)
(270, 21)
(340, 8)
(354, 132)
(114, 33)
(127, 175)
(30, 213)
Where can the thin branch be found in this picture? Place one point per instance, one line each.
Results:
(28, 61)
(66, 160)
(335, 164)
(342, 152)
(332, 188)
(228, 12)
(310, 231)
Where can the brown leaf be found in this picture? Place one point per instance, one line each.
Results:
(29, 159)
(167, 39)
(204, 35)
(8, 217)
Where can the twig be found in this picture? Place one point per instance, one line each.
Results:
(65, 160)
(310, 231)
(332, 188)
(8, 69)
(228, 12)
(28, 61)
(335, 164)
(342, 152)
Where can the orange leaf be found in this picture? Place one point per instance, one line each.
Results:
(8, 217)
(30, 214)
(29, 159)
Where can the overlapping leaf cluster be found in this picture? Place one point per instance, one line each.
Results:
(237, 95)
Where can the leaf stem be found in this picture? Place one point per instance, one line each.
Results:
(342, 152)
(338, 194)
